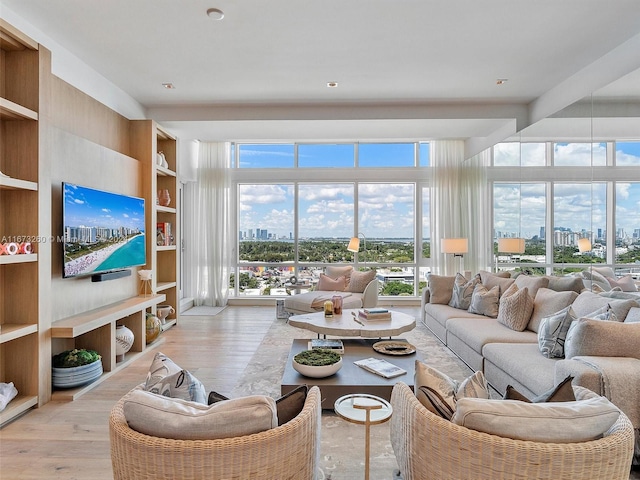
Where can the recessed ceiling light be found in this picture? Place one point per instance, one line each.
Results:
(332, 84)
(168, 86)
(215, 14)
(501, 81)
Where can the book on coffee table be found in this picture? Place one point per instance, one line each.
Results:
(380, 367)
(327, 344)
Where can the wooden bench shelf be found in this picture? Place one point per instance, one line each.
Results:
(95, 330)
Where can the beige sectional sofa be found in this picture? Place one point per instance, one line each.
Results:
(510, 357)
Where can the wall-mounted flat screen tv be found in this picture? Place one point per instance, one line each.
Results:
(102, 231)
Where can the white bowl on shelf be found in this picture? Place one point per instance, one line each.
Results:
(317, 371)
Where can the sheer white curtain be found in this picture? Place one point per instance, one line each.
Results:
(213, 248)
(459, 206)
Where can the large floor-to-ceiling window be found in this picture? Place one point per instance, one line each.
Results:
(298, 204)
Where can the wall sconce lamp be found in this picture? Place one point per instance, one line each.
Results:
(456, 247)
(354, 246)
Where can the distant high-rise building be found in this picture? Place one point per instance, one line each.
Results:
(542, 233)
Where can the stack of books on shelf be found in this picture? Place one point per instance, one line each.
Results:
(164, 236)
(374, 314)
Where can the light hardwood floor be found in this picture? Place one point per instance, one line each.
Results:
(70, 440)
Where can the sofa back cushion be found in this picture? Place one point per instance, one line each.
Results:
(532, 282)
(179, 419)
(588, 302)
(335, 271)
(553, 422)
(561, 284)
(597, 338)
(490, 280)
(548, 302)
(440, 288)
(626, 283)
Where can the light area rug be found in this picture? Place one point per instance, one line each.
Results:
(203, 311)
(342, 443)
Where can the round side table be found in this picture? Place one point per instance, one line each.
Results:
(367, 410)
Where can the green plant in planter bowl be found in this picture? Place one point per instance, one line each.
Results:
(317, 363)
(75, 358)
(76, 367)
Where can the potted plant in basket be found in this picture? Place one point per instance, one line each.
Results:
(75, 367)
(317, 363)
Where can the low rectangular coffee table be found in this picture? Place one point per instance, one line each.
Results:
(350, 378)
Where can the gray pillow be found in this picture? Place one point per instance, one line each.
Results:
(596, 338)
(553, 332)
(485, 302)
(440, 288)
(633, 316)
(548, 302)
(462, 291)
(562, 284)
(588, 302)
(168, 379)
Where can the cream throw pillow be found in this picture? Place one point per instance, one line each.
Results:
(440, 288)
(485, 302)
(360, 280)
(548, 302)
(553, 422)
(439, 393)
(516, 306)
(179, 419)
(490, 280)
(626, 283)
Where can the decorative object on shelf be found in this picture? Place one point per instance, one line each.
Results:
(153, 327)
(145, 279)
(317, 363)
(7, 393)
(164, 198)
(161, 160)
(10, 248)
(74, 368)
(163, 311)
(164, 235)
(124, 341)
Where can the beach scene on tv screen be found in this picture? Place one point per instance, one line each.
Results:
(102, 231)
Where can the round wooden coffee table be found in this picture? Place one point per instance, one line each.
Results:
(349, 325)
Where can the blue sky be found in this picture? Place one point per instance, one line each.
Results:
(96, 208)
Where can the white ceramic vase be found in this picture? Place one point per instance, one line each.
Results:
(124, 341)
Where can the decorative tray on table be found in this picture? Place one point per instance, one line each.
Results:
(394, 347)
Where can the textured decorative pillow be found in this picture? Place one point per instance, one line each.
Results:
(491, 280)
(291, 404)
(485, 302)
(604, 271)
(462, 291)
(516, 306)
(561, 284)
(626, 283)
(553, 332)
(168, 379)
(439, 393)
(330, 284)
(179, 419)
(553, 422)
(440, 288)
(588, 302)
(548, 302)
(563, 392)
(596, 338)
(335, 271)
(532, 283)
(360, 280)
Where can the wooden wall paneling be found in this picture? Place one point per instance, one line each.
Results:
(20, 357)
(21, 291)
(20, 149)
(21, 77)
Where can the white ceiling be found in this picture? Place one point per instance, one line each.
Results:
(405, 69)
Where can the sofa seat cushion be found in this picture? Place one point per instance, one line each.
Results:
(519, 365)
(442, 313)
(477, 332)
